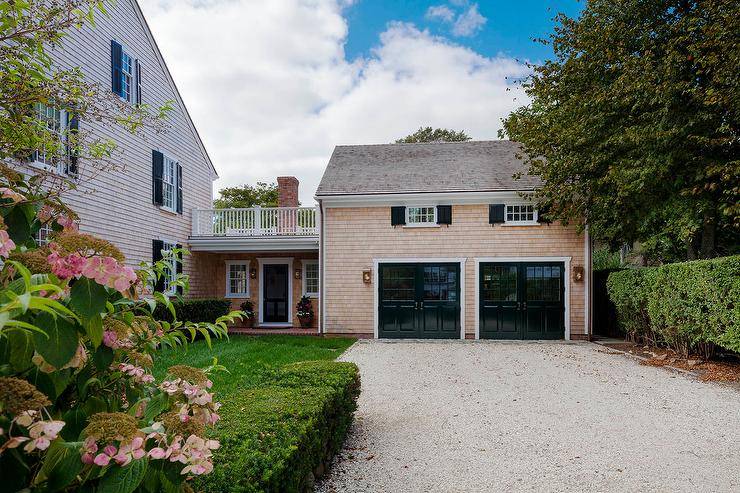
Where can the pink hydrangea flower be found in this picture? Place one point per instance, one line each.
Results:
(67, 223)
(6, 244)
(44, 214)
(42, 433)
(7, 193)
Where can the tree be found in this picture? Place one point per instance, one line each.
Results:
(428, 134)
(633, 126)
(261, 194)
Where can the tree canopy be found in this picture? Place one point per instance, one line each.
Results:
(261, 194)
(429, 134)
(633, 125)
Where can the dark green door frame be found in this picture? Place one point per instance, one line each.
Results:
(419, 300)
(521, 300)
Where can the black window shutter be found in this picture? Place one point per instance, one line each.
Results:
(73, 128)
(179, 188)
(157, 172)
(542, 215)
(444, 214)
(157, 247)
(496, 213)
(138, 82)
(178, 269)
(116, 61)
(398, 215)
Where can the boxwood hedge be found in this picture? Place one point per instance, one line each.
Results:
(278, 437)
(689, 306)
(195, 310)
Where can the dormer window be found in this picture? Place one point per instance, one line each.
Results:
(421, 216)
(521, 214)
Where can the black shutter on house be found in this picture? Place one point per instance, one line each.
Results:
(178, 269)
(542, 215)
(157, 247)
(116, 72)
(398, 215)
(496, 213)
(73, 128)
(444, 214)
(138, 82)
(157, 172)
(179, 188)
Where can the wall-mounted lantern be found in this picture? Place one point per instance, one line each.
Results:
(298, 273)
(578, 273)
(253, 273)
(366, 276)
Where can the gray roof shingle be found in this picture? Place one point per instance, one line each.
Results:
(472, 166)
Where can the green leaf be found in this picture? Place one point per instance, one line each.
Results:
(19, 227)
(61, 465)
(88, 298)
(103, 357)
(156, 406)
(62, 341)
(21, 349)
(124, 479)
(75, 421)
(94, 328)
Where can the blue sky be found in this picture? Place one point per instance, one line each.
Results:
(508, 29)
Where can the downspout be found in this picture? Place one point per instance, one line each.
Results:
(587, 284)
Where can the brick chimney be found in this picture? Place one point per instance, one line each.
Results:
(287, 191)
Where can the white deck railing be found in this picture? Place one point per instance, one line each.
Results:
(256, 221)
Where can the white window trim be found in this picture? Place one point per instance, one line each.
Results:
(165, 157)
(304, 291)
(534, 222)
(166, 246)
(63, 123)
(229, 294)
(432, 224)
(125, 50)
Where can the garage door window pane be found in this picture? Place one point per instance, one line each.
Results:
(499, 283)
(544, 283)
(398, 284)
(440, 283)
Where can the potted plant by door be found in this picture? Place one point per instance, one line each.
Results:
(304, 311)
(248, 309)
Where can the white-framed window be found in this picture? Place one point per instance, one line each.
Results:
(42, 235)
(127, 77)
(421, 216)
(169, 184)
(237, 279)
(171, 269)
(520, 214)
(55, 120)
(311, 278)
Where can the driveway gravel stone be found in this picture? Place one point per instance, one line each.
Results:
(500, 416)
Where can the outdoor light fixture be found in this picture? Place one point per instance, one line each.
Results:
(578, 273)
(366, 277)
(298, 273)
(253, 273)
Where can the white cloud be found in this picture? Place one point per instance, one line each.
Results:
(271, 91)
(440, 12)
(469, 22)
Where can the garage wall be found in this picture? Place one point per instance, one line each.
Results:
(354, 236)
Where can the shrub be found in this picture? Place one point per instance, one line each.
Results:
(195, 310)
(276, 437)
(689, 306)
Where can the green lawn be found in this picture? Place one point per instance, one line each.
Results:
(250, 359)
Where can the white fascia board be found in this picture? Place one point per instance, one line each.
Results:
(239, 244)
(421, 198)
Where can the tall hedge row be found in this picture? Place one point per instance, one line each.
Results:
(195, 310)
(278, 437)
(689, 306)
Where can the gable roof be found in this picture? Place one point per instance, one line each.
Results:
(473, 166)
(175, 90)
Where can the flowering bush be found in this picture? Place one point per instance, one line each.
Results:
(79, 407)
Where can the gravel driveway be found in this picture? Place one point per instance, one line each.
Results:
(478, 416)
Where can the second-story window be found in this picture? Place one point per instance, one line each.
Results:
(169, 184)
(421, 216)
(521, 214)
(166, 182)
(55, 121)
(127, 77)
(125, 73)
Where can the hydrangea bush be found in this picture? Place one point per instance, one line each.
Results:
(79, 407)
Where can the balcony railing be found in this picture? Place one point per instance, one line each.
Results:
(256, 222)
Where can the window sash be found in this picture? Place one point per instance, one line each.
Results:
(311, 278)
(127, 77)
(55, 120)
(171, 268)
(421, 215)
(520, 214)
(169, 187)
(237, 279)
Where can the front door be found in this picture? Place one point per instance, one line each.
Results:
(275, 293)
(522, 300)
(419, 301)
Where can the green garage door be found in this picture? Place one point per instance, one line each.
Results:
(419, 301)
(522, 300)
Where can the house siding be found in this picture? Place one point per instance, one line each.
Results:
(354, 236)
(116, 205)
(209, 278)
